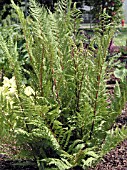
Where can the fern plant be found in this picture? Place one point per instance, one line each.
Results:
(61, 117)
(10, 26)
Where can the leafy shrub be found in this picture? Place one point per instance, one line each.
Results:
(63, 116)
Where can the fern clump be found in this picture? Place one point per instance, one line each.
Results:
(60, 116)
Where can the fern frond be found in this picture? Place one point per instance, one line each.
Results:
(61, 112)
(62, 164)
(114, 137)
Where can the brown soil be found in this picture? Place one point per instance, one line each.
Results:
(17, 165)
(117, 158)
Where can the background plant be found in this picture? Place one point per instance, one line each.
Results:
(63, 115)
(113, 8)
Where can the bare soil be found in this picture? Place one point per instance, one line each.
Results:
(17, 165)
(117, 158)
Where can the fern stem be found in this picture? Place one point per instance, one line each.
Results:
(27, 47)
(54, 85)
(41, 70)
(80, 88)
(100, 65)
(76, 82)
(95, 108)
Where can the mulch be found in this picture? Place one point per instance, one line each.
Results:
(17, 165)
(116, 159)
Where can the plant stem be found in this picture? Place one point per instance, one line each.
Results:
(41, 70)
(96, 96)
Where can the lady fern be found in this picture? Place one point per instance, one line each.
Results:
(63, 117)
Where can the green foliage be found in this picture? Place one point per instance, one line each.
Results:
(113, 8)
(120, 38)
(61, 117)
(10, 26)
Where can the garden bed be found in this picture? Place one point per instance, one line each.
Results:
(17, 165)
(115, 160)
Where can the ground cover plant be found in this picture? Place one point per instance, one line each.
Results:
(120, 39)
(60, 112)
(121, 36)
